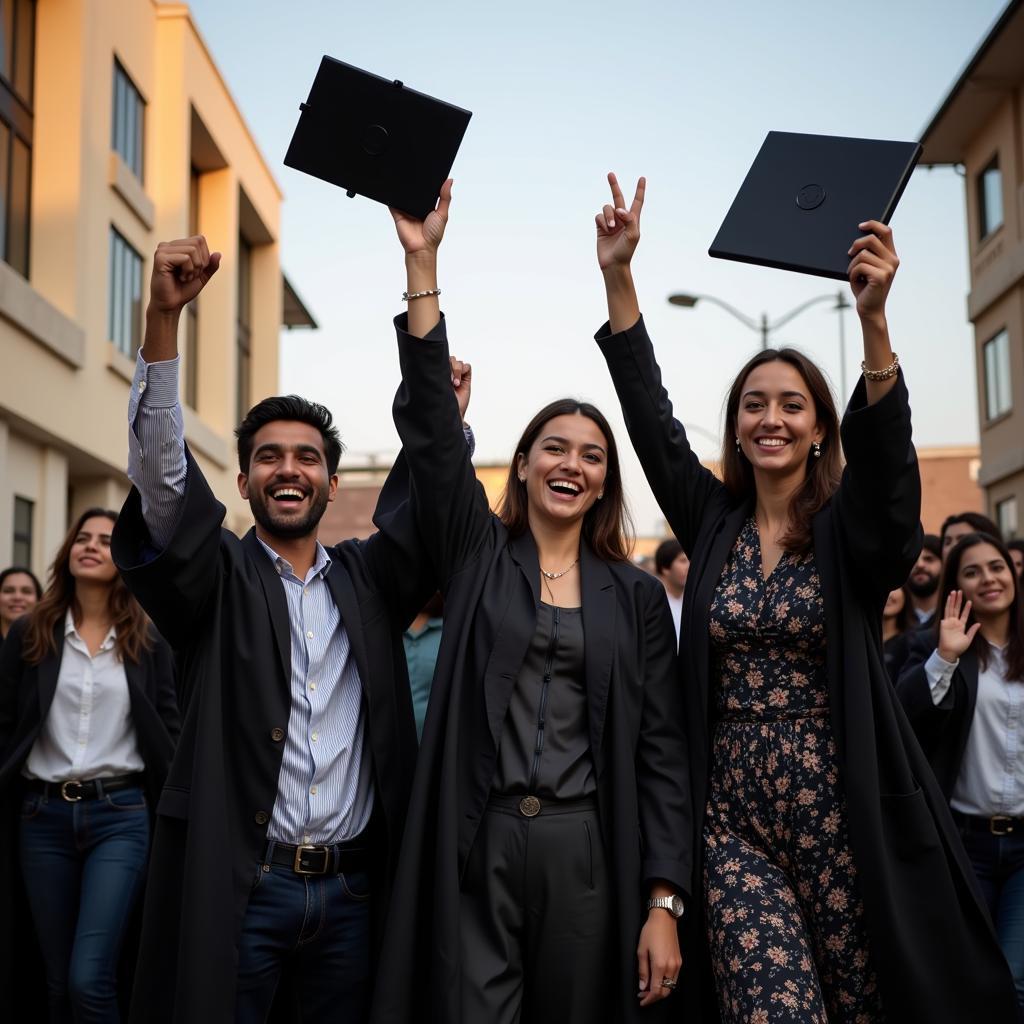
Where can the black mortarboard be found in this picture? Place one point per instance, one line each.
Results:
(803, 197)
(376, 138)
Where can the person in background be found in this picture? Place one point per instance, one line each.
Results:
(1016, 549)
(19, 591)
(923, 583)
(898, 622)
(421, 641)
(671, 567)
(962, 523)
(965, 703)
(88, 722)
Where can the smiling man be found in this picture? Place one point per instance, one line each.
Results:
(277, 833)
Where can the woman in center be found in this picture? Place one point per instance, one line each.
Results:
(544, 855)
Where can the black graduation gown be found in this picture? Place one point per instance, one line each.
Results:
(490, 583)
(934, 949)
(26, 693)
(221, 604)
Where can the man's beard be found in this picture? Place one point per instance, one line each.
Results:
(925, 589)
(290, 529)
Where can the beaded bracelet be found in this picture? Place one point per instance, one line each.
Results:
(406, 296)
(890, 371)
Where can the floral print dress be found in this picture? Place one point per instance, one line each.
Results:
(784, 915)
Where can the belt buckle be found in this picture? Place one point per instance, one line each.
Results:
(300, 851)
(529, 807)
(1000, 824)
(64, 791)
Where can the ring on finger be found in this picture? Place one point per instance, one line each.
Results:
(669, 983)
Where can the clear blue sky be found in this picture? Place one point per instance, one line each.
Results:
(562, 92)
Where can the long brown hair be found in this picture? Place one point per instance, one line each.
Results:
(130, 624)
(979, 645)
(607, 526)
(823, 472)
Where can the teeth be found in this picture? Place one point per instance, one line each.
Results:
(567, 484)
(288, 492)
(771, 442)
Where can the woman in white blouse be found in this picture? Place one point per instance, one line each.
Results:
(88, 719)
(966, 702)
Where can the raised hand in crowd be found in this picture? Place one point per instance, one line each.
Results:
(954, 634)
(618, 235)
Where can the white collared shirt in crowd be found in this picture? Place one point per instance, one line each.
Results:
(88, 732)
(991, 779)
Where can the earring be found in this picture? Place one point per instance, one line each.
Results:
(522, 479)
(738, 444)
(600, 496)
(816, 449)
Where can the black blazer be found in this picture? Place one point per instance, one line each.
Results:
(26, 693)
(942, 729)
(221, 605)
(934, 949)
(490, 583)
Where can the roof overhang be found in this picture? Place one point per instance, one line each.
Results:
(990, 75)
(294, 312)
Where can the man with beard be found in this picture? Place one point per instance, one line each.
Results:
(278, 830)
(923, 583)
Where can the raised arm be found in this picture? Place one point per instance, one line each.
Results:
(448, 503)
(681, 485)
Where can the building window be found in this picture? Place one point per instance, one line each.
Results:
(21, 553)
(17, 71)
(192, 310)
(126, 134)
(1006, 518)
(243, 362)
(997, 375)
(990, 199)
(125, 327)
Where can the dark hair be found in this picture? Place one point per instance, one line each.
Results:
(906, 618)
(1017, 544)
(289, 407)
(932, 542)
(1015, 641)
(14, 570)
(666, 553)
(607, 526)
(823, 472)
(975, 520)
(130, 624)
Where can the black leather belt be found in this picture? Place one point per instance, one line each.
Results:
(997, 825)
(74, 790)
(353, 855)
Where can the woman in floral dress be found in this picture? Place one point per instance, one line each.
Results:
(832, 884)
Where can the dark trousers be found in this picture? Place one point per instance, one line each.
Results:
(317, 929)
(83, 865)
(536, 920)
(998, 862)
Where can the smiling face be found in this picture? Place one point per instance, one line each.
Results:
(924, 577)
(565, 468)
(17, 596)
(89, 559)
(986, 579)
(287, 486)
(776, 422)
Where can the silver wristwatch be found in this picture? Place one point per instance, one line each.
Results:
(673, 904)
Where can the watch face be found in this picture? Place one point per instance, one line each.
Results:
(677, 905)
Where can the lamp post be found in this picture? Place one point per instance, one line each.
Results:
(765, 327)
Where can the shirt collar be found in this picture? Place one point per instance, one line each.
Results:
(321, 561)
(69, 630)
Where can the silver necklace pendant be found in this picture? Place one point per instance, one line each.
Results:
(558, 575)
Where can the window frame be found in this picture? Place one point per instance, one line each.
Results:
(128, 119)
(17, 115)
(124, 273)
(23, 555)
(984, 231)
(1003, 383)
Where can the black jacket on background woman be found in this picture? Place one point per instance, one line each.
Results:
(936, 954)
(490, 582)
(26, 693)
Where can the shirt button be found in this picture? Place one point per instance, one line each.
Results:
(316, 736)
(277, 735)
(261, 817)
(312, 686)
(142, 386)
(309, 633)
(312, 790)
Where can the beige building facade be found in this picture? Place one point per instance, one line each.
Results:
(979, 128)
(117, 131)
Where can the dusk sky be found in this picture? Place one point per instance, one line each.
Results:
(561, 93)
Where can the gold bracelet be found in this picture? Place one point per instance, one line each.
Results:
(890, 371)
(407, 296)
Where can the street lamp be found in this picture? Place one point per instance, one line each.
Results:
(765, 327)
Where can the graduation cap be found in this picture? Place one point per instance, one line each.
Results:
(376, 138)
(803, 197)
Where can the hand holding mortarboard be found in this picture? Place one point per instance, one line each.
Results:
(872, 268)
(421, 238)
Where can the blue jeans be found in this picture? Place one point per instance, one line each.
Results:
(83, 865)
(998, 863)
(318, 928)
